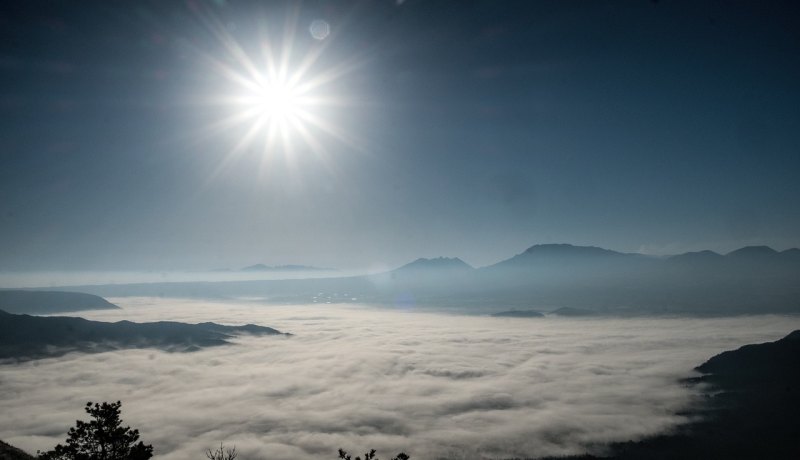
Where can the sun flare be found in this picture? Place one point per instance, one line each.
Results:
(282, 93)
(277, 101)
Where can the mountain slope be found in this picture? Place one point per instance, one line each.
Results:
(749, 410)
(9, 452)
(759, 365)
(752, 252)
(437, 264)
(25, 337)
(43, 302)
(558, 254)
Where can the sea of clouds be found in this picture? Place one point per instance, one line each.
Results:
(433, 385)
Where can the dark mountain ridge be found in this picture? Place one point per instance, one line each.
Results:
(762, 363)
(45, 302)
(438, 263)
(562, 251)
(749, 410)
(9, 452)
(752, 251)
(554, 258)
(24, 337)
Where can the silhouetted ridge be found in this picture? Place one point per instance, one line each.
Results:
(765, 361)
(439, 263)
(9, 452)
(752, 251)
(29, 337)
(22, 301)
(550, 256)
(749, 410)
(563, 250)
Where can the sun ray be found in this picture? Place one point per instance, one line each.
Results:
(278, 96)
(240, 146)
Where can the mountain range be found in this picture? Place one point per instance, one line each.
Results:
(754, 279)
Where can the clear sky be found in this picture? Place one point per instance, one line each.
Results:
(464, 128)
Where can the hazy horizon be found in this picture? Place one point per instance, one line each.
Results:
(75, 277)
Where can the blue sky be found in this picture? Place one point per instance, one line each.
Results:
(471, 129)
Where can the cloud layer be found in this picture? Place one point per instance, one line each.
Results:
(432, 385)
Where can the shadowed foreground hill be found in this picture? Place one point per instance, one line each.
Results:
(44, 302)
(9, 452)
(24, 337)
(750, 411)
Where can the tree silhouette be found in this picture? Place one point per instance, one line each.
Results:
(103, 438)
(370, 456)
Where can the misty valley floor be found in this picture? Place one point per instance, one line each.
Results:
(432, 385)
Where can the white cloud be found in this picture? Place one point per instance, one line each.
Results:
(433, 385)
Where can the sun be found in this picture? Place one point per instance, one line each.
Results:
(277, 100)
(276, 110)
(276, 97)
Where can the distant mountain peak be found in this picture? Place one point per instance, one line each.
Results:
(438, 263)
(550, 256)
(749, 251)
(551, 247)
(564, 249)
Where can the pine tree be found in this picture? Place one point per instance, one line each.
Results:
(102, 438)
